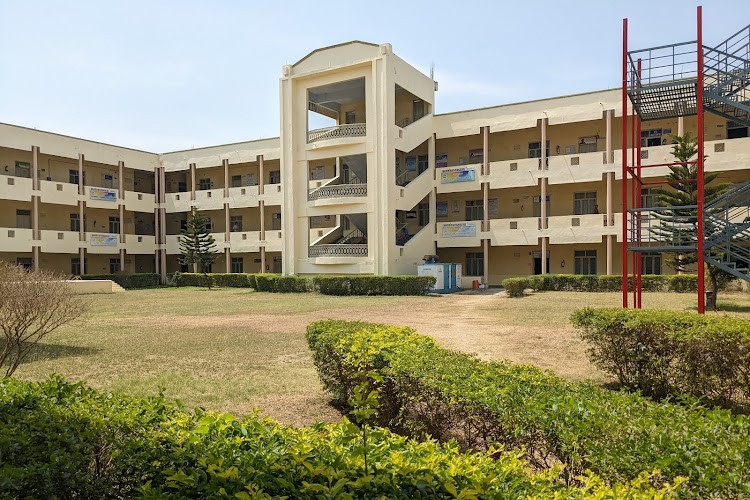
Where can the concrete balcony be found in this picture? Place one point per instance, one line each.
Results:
(274, 241)
(178, 202)
(459, 178)
(243, 197)
(59, 193)
(582, 167)
(460, 234)
(140, 202)
(567, 229)
(518, 231)
(16, 239)
(15, 188)
(209, 199)
(272, 194)
(244, 241)
(349, 133)
(514, 173)
(99, 197)
(334, 250)
(338, 194)
(139, 244)
(60, 241)
(102, 243)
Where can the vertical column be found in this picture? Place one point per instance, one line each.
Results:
(81, 189)
(261, 178)
(225, 163)
(543, 159)
(121, 178)
(680, 126)
(543, 208)
(35, 234)
(192, 181)
(122, 223)
(700, 268)
(262, 259)
(122, 260)
(262, 209)
(609, 221)
(228, 259)
(82, 259)
(609, 114)
(157, 222)
(485, 204)
(624, 147)
(163, 228)
(227, 234)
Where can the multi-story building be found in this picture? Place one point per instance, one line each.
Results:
(364, 178)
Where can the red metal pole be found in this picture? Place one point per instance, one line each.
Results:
(701, 184)
(638, 286)
(624, 150)
(635, 143)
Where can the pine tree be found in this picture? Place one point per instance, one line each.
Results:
(197, 245)
(680, 225)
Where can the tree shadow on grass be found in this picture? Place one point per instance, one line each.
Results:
(46, 352)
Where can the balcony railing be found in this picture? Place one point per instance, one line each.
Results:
(338, 191)
(337, 132)
(343, 250)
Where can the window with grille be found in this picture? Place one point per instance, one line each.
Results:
(204, 184)
(114, 265)
(587, 144)
(274, 177)
(535, 149)
(114, 225)
(536, 207)
(236, 181)
(276, 222)
(474, 264)
(585, 262)
(238, 265)
(23, 219)
(23, 169)
(209, 224)
(474, 209)
(651, 263)
(649, 198)
(75, 266)
(422, 163)
(108, 181)
(235, 223)
(423, 214)
(73, 176)
(75, 223)
(585, 203)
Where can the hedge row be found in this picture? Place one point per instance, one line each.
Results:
(667, 352)
(236, 280)
(681, 283)
(128, 281)
(60, 440)
(374, 285)
(424, 389)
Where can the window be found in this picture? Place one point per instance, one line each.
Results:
(235, 224)
(422, 163)
(114, 265)
(585, 203)
(274, 177)
(209, 224)
(474, 210)
(474, 264)
(114, 225)
(238, 265)
(236, 181)
(25, 262)
(75, 266)
(23, 219)
(107, 181)
(276, 222)
(649, 198)
(535, 149)
(585, 262)
(183, 224)
(537, 206)
(736, 130)
(23, 169)
(182, 187)
(587, 144)
(75, 223)
(73, 176)
(650, 138)
(423, 214)
(349, 117)
(204, 184)
(651, 263)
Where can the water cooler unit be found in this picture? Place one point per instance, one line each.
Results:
(447, 276)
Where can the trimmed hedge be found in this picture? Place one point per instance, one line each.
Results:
(128, 281)
(374, 285)
(668, 352)
(681, 283)
(230, 280)
(282, 284)
(424, 389)
(61, 440)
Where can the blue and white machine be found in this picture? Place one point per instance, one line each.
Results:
(447, 276)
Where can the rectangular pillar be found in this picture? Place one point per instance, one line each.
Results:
(192, 181)
(122, 260)
(82, 259)
(680, 126)
(262, 206)
(610, 176)
(225, 164)
(81, 225)
(609, 114)
(121, 178)
(609, 254)
(228, 260)
(262, 259)
(544, 255)
(261, 178)
(543, 159)
(35, 258)
(122, 223)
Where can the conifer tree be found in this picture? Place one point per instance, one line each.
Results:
(197, 246)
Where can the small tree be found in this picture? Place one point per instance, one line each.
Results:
(684, 192)
(197, 245)
(32, 305)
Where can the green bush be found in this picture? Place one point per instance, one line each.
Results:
(682, 283)
(128, 281)
(229, 280)
(374, 285)
(60, 440)
(669, 352)
(282, 284)
(424, 389)
(516, 287)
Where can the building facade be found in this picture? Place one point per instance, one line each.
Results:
(364, 178)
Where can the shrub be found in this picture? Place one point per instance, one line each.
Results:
(669, 352)
(516, 287)
(424, 389)
(60, 440)
(683, 283)
(374, 285)
(230, 280)
(128, 281)
(282, 284)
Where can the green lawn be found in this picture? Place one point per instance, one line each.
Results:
(233, 349)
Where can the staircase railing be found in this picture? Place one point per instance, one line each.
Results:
(737, 44)
(337, 131)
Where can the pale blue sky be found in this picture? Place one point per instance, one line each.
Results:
(163, 75)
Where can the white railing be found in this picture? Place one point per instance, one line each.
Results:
(338, 131)
(337, 191)
(343, 250)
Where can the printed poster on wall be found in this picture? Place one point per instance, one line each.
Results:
(442, 209)
(102, 194)
(454, 175)
(459, 230)
(441, 160)
(103, 240)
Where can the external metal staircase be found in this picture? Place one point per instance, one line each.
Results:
(727, 232)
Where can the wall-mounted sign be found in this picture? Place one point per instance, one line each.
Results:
(103, 240)
(453, 175)
(441, 160)
(459, 230)
(102, 194)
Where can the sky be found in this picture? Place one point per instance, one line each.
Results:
(165, 75)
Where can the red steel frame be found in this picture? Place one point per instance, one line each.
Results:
(632, 172)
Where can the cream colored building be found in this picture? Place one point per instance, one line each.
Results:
(364, 178)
